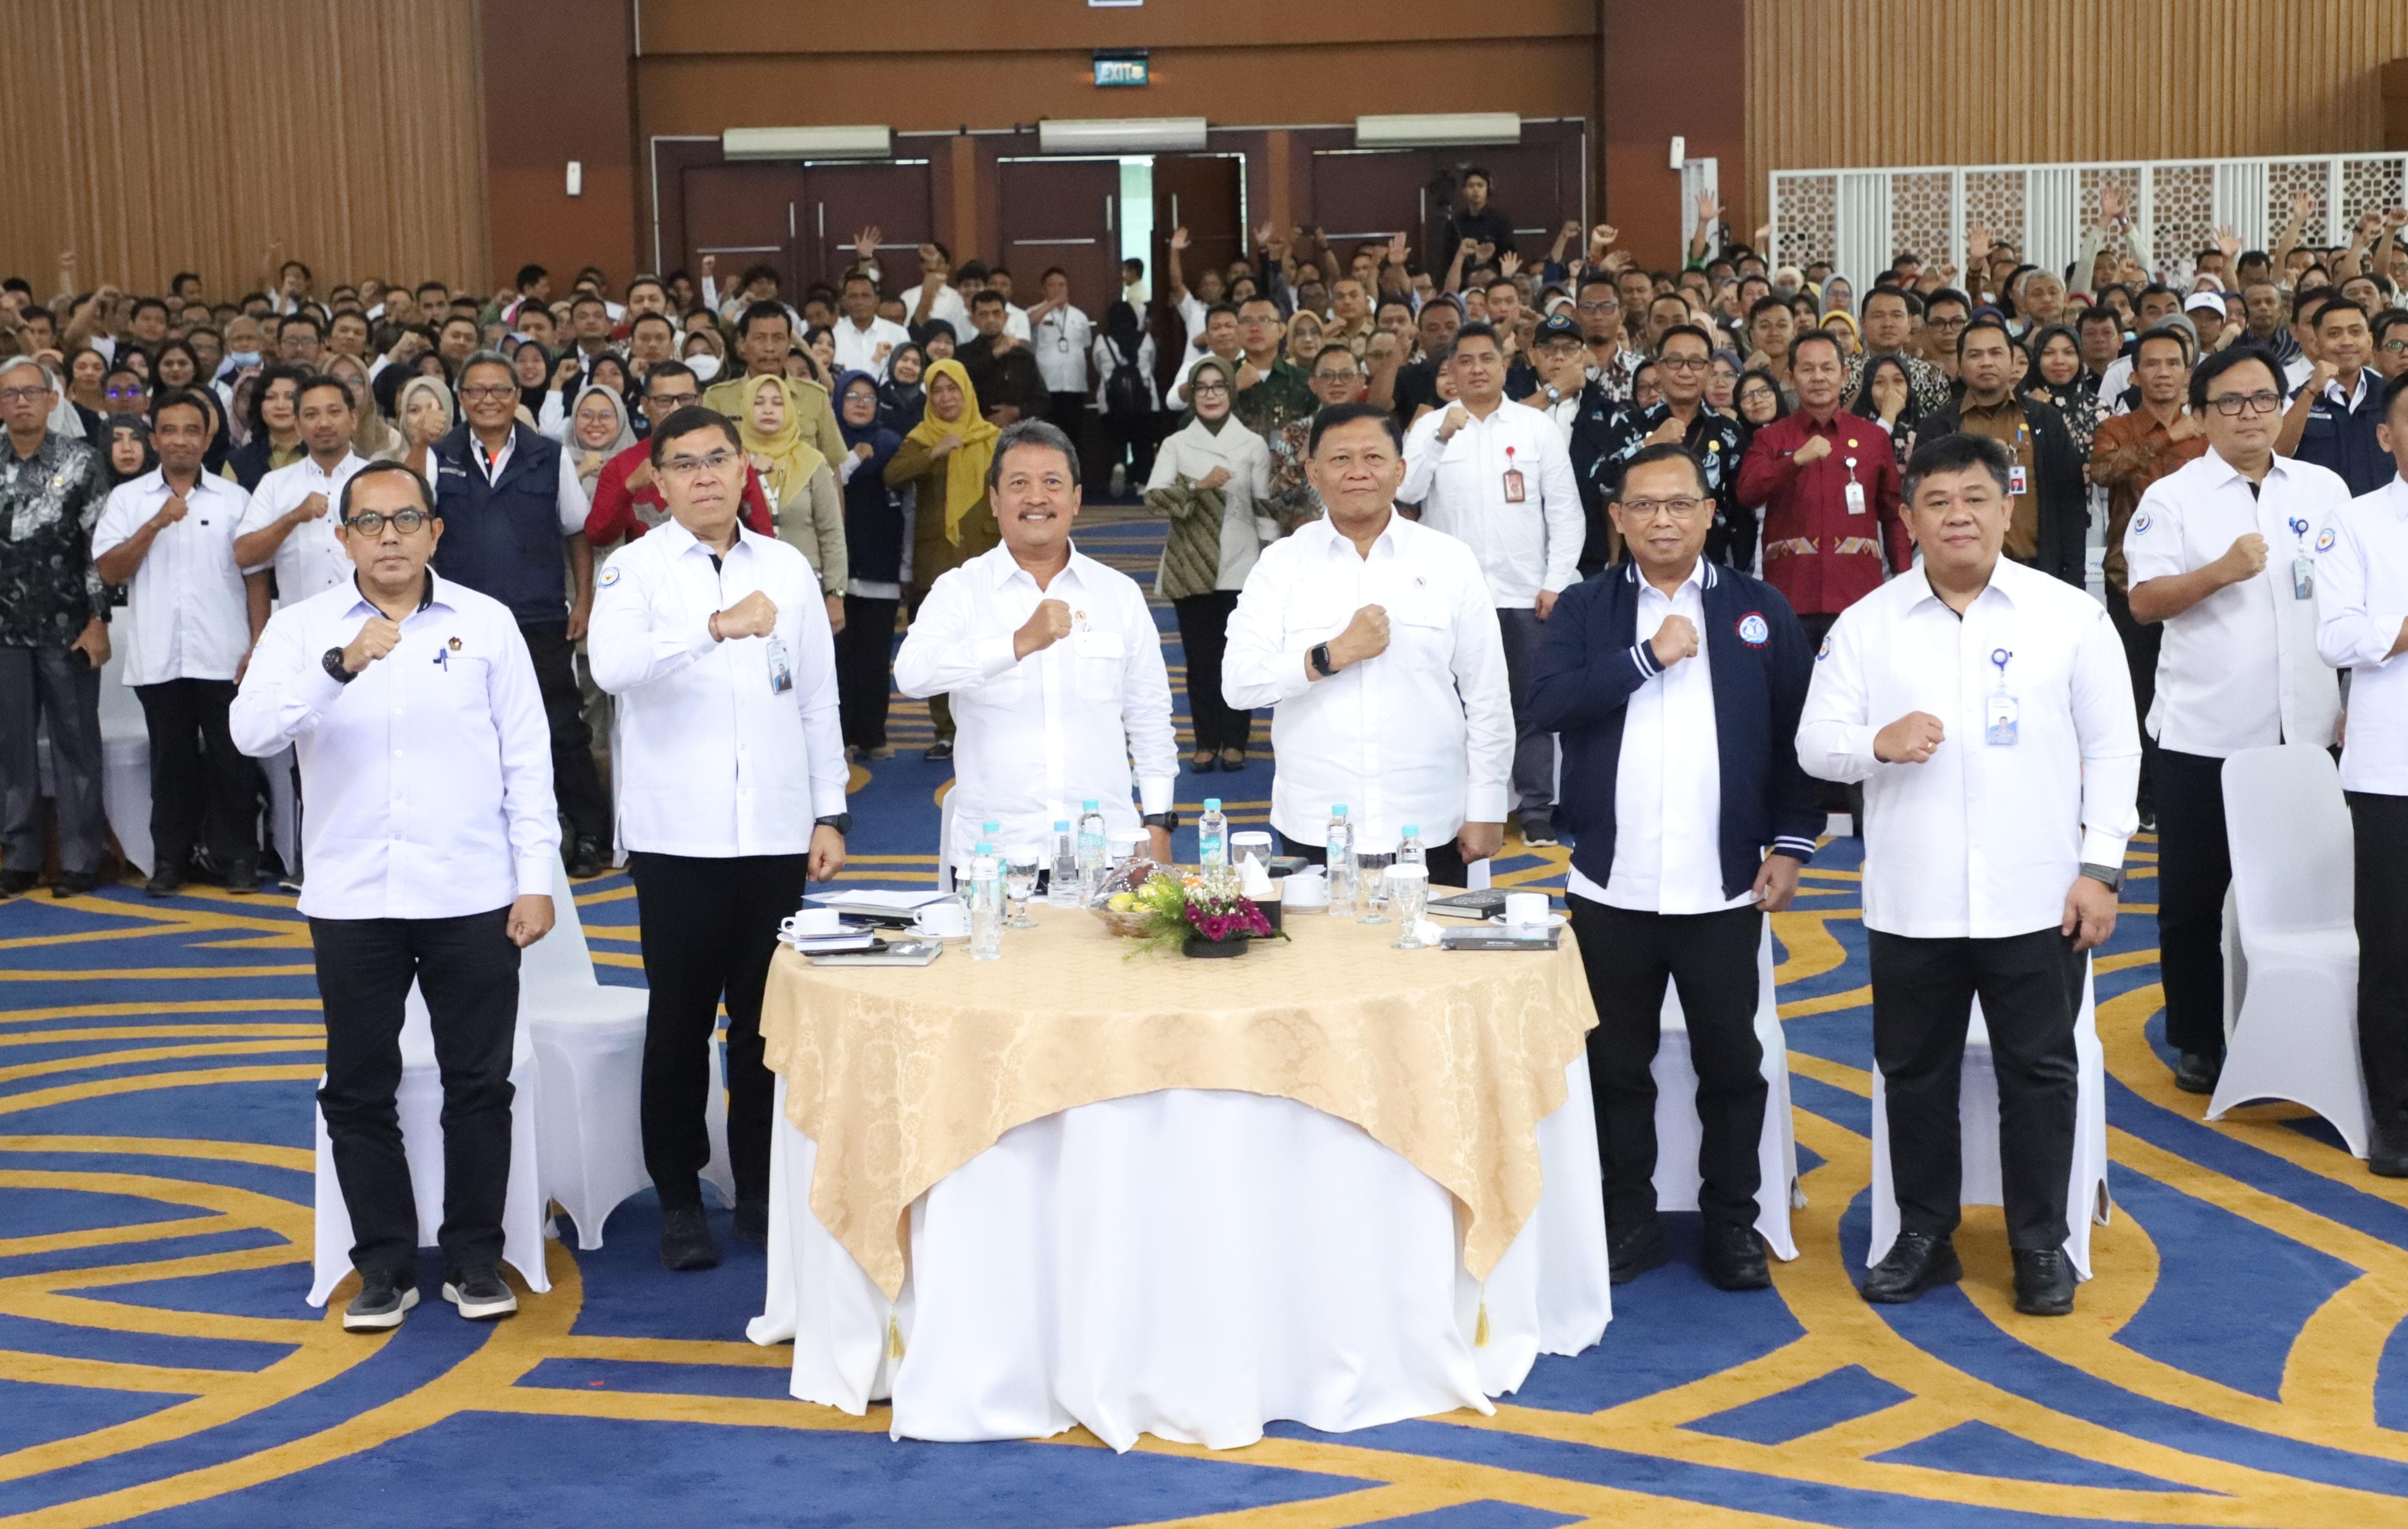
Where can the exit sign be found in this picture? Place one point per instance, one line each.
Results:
(1120, 69)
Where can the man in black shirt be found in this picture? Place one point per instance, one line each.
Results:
(1416, 383)
(1002, 370)
(1475, 218)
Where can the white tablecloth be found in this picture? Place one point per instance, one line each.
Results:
(1189, 1264)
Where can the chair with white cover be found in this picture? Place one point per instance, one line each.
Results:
(1979, 1182)
(420, 1101)
(1678, 1134)
(124, 762)
(2295, 1036)
(589, 1046)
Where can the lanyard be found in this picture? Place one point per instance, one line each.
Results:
(1999, 656)
(2299, 528)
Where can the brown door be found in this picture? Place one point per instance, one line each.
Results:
(1061, 212)
(840, 200)
(743, 215)
(1205, 195)
(1362, 194)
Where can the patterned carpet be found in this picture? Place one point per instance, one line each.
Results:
(2240, 1360)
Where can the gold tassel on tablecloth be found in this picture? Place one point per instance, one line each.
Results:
(1480, 1332)
(895, 1335)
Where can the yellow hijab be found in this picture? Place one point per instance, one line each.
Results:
(789, 459)
(966, 469)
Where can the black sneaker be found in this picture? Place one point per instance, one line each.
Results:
(941, 751)
(242, 878)
(166, 882)
(75, 884)
(1733, 1258)
(379, 1305)
(479, 1294)
(585, 857)
(1538, 833)
(2044, 1282)
(1633, 1249)
(17, 884)
(752, 1220)
(685, 1240)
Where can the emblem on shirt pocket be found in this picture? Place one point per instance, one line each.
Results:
(1753, 630)
(609, 577)
(2325, 540)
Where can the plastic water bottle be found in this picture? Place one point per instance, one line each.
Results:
(1062, 891)
(1410, 849)
(986, 904)
(1092, 865)
(1213, 843)
(1339, 844)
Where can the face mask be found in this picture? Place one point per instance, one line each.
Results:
(705, 365)
(239, 359)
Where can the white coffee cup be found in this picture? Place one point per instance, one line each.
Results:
(947, 920)
(1526, 909)
(810, 922)
(1308, 891)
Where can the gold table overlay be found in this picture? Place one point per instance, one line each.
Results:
(901, 1074)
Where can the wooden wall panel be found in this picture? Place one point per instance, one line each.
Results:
(158, 135)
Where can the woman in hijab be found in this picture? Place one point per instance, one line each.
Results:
(1757, 400)
(800, 484)
(899, 398)
(945, 457)
(706, 352)
(424, 406)
(1209, 478)
(874, 530)
(532, 365)
(128, 443)
(1842, 327)
(939, 342)
(1887, 394)
(1722, 378)
(2056, 377)
(599, 430)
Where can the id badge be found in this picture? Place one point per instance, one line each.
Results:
(2017, 482)
(1855, 495)
(781, 674)
(2303, 579)
(1998, 721)
(1512, 485)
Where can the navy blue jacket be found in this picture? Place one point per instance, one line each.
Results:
(1590, 661)
(2343, 440)
(503, 539)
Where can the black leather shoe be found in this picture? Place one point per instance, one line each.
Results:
(242, 878)
(166, 882)
(1631, 1251)
(2196, 1072)
(686, 1241)
(75, 884)
(752, 1220)
(1916, 1262)
(1733, 1258)
(585, 857)
(17, 884)
(2385, 1157)
(2044, 1282)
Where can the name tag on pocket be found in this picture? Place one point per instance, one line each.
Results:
(1998, 721)
(781, 673)
(2017, 482)
(1855, 495)
(2303, 579)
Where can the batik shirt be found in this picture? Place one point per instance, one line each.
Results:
(49, 504)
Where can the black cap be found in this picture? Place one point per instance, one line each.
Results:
(1557, 326)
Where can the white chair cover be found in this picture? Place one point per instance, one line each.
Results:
(1678, 1134)
(124, 763)
(1977, 1115)
(1042, 1270)
(2295, 1035)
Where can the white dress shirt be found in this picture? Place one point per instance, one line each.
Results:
(429, 775)
(311, 559)
(185, 606)
(2238, 670)
(948, 306)
(1668, 785)
(1460, 485)
(1421, 734)
(1035, 736)
(1060, 340)
(711, 758)
(1192, 453)
(1015, 322)
(2362, 600)
(1982, 840)
(859, 349)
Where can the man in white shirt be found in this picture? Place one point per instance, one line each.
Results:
(1676, 684)
(2362, 627)
(731, 774)
(1061, 337)
(1374, 638)
(934, 297)
(171, 535)
(1984, 706)
(289, 526)
(432, 841)
(997, 279)
(862, 339)
(2222, 552)
(1054, 664)
(1501, 479)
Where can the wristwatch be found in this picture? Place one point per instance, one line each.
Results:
(334, 662)
(841, 822)
(2110, 876)
(1320, 657)
(1166, 821)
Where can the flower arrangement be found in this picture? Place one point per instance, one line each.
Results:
(1180, 910)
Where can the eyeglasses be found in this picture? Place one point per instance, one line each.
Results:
(2395, 346)
(717, 462)
(369, 523)
(488, 392)
(672, 400)
(23, 395)
(118, 395)
(1680, 510)
(2231, 404)
(1684, 364)
(1202, 388)
(1933, 323)
(1598, 307)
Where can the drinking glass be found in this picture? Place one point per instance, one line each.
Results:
(1019, 885)
(1409, 889)
(1372, 885)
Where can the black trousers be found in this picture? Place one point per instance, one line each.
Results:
(865, 670)
(1534, 752)
(52, 685)
(575, 782)
(1203, 636)
(1445, 862)
(2141, 644)
(2380, 825)
(1073, 413)
(2194, 868)
(203, 791)
(469, 970)
(709, 927)
(1711, 958)
(2031, 988)
(1132, 442)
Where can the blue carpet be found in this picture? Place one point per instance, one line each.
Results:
(2241, 1358)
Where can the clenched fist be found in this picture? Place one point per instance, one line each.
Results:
(1675, 640)
(379, 637)
(1366, 636)
(755, 616)
(1812, 451)
(173, 510)
(311, 509)
(1909, 740)
(1048, 624)
(2244, 559)
(1456, 420)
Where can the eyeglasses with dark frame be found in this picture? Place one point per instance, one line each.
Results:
(369, 522)
(2231, 405)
